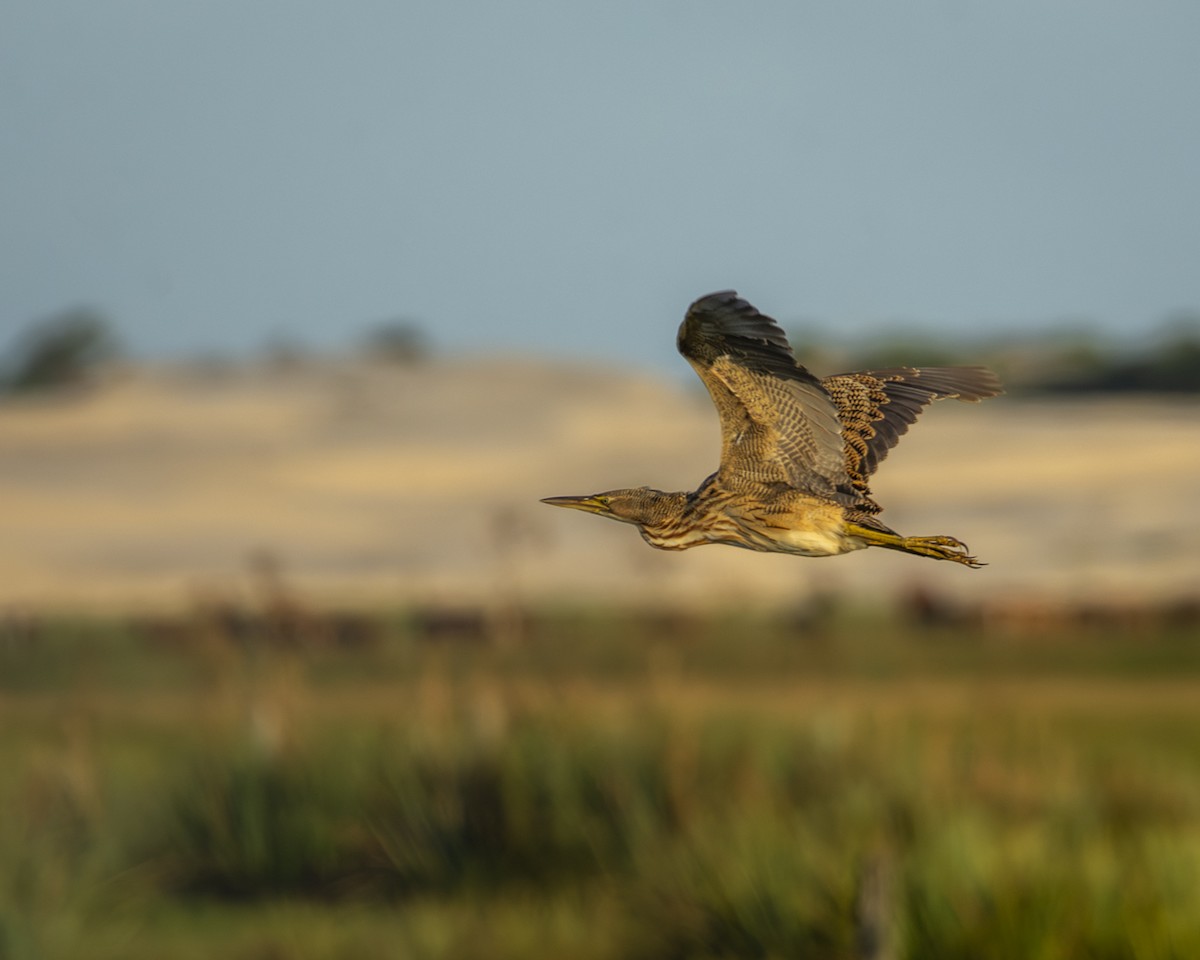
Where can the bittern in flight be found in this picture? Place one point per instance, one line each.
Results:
(796, 452)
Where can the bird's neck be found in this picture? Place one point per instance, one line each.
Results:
(674, 539)
(677, 523)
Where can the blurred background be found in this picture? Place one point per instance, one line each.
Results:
(305, 307)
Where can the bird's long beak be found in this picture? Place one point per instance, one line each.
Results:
(587, 504)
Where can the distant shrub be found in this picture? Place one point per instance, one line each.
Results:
(62, 351)
(397, 341)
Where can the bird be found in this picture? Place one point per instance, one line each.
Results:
(797, 452)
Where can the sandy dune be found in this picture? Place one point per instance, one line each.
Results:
(378, 483)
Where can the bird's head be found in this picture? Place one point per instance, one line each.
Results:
(638, 505)
(662, 518)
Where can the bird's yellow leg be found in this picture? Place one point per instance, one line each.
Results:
(938, 548)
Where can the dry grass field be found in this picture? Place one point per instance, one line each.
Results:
(376, 483)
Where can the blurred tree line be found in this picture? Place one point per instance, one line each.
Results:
(70, 349)
(1170, 365)
(1060, 360)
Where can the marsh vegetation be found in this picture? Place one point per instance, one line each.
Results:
(603, 786)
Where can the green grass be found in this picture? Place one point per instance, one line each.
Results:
(609, 788)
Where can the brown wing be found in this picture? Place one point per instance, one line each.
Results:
(778, 424)
(878, 406)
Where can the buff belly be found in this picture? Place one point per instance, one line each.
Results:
(818, 531)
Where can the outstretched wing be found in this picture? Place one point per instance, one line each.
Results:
(877, 407)
(778, 424)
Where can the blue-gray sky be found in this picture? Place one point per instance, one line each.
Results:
(566, 177)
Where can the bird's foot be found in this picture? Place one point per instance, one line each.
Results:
(940, 548)
(936, 548)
